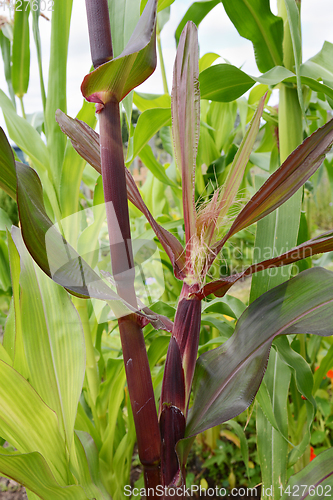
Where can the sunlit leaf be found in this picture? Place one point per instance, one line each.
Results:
(149, 123)
(54, 344)
(28, 424)
(195, 13)
(57, 86)
(116, 78)
(21, 51)
(255, 21)
(224, 83)
(32, 471)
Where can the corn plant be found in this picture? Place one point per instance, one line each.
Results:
(51, 459)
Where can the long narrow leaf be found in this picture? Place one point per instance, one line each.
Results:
(314, 481)
(21, 51)
(228, 377)
(293, 173)
(28, 424)
(195, 13)
(54, 345)
(236, 171)
(255, 21)
(56, 94)
(32, 471)
(185, 108)
(320, 244)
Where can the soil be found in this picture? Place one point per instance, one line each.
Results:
(10, 490)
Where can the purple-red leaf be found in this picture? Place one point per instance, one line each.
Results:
(86, 142)
(236, 171)
(116, 78)
(320, 244)
(293, 173)
(185, 107)
(227, 378)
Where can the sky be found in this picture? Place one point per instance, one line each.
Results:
(216, 34)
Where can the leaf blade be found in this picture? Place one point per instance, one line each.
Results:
(274, 313)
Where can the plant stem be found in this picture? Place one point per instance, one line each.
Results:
(160, 54)
(22, 107)
(91, 368)
(177, 380)
(138, 375)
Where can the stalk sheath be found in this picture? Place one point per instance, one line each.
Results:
(138, 375)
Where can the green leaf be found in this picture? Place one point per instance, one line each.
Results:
(275, 75)
(24, 135)
(303, 374)
(228, 305)
(54, 344)
(157, 350)
(5, 51)
(13, 339)
(163, 4)
(264, 399)
(255, 21)
(148, 158)
(272, 446)
(32, 471)
(228, 377)
(4, 265)
(4, 356)
(149, 123)
(236, 172)
(320, 65)
(28, 424)
(224, 83)
(239, 431)
(72, 168)
(207, 60)
(7, 166)
(195, 13)
(314, 481)
(38, 43)
(56, 94)
(222, 116)
(295, 33)
(88, 473)
(21, 50)
(116, 78)
(149, 101)
(325, 365)
(124, 16)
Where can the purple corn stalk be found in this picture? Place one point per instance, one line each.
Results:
(138, 375)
